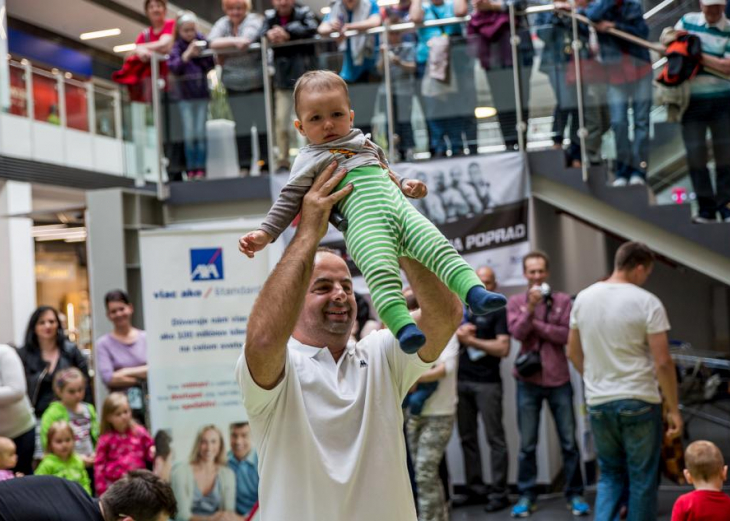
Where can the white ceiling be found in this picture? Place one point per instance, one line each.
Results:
(70, 18)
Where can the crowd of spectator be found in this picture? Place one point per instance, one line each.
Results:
(432, 68)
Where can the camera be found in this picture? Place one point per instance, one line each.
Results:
(545, 290)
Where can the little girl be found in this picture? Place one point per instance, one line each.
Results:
(70, 387)
(60, 459)
(382, 224)
(190, 78)
(123, 446)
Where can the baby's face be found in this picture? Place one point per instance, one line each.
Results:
(325, 115)
(8, 457)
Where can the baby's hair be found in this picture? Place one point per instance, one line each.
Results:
(57, 428)
(318, 80)
(113, 402)
(65, 376)
(704, 460)
(7, 445)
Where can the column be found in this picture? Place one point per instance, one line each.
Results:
(17, 261)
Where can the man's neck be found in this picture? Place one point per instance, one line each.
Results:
(242, 458)
(618, 277)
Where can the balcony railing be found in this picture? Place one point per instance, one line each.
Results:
(542, 103)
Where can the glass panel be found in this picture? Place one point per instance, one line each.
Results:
(498, 128)
(45, 99)
(77, 108)
(139, 134)
(105, 115)
(18, 92)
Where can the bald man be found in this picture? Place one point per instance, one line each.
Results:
(484, 342)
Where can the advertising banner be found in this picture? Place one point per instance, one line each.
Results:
(198, 292)
(479, 203)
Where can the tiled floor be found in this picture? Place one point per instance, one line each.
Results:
(553, 508)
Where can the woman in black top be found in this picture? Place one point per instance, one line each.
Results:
(45, 352)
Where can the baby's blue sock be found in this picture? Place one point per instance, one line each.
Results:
(410, 338)
(481, 301)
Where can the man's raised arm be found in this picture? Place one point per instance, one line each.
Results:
(441, 310)
(277, 307)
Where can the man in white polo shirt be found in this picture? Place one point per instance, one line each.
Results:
(326, 415)
(618, 342)
(709, 108)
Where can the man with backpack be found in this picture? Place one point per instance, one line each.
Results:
(709, 107)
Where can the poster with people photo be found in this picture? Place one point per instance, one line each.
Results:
(197, 298)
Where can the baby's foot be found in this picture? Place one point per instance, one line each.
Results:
(410, 338)
(481, 301)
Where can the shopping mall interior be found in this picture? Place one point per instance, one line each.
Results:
(140, 139)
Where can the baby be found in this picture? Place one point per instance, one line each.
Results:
(8, 458)
(381, 224)
(706, 470)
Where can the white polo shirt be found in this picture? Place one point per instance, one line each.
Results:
(330, 434)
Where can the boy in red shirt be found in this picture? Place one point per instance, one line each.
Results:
(706, 470)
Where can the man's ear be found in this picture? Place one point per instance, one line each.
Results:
(352, 117)
(724, 474)
(298, 126)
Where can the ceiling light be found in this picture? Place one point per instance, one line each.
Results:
(325, 10)
(101, 34)
(485, 112)
(125, 48)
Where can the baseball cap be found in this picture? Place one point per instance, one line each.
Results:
(713, 2)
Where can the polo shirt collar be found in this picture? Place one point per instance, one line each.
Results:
(312, 351)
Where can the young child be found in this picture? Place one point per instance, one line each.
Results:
(190, 76)
(382, 225)
(8, 458)
(706, 470)
(60, 459)
(123, 445)
(70, 387)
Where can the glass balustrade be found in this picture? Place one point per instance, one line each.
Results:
(76, 105)
(18, 89)
(106, 112)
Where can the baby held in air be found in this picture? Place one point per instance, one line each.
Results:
(380, 224)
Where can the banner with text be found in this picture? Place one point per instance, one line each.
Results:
(198, 292)
(479, 203)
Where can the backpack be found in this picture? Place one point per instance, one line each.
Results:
(684, 56)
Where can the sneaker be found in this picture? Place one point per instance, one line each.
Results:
(578, 506)
(524, 508)
(637, 180)
(725, 214)
(496, 504)
(620, 181)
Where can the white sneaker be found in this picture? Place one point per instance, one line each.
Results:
(637, 180)
(698, 219)
(620, 181)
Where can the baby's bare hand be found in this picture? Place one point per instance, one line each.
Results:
(252, 242)
(414, 188)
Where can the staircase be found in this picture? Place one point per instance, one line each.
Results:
(629, 212)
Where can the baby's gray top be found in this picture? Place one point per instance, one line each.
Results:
(350, 151)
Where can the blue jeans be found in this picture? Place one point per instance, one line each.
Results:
(194, 113)
(628, 437)
(631, 158)
(529, 404)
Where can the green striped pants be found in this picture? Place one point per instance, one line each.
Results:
(382, 226)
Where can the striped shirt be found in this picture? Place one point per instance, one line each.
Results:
(715, 40)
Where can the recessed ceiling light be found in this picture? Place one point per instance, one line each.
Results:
(101, 34)
(485, 112)
(126, 47)
(325, 10)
